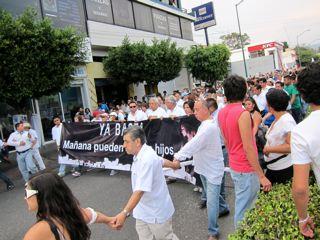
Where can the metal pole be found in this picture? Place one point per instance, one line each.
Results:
(243, 56)
(298, 51)
(207, 37)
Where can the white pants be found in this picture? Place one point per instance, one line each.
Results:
(149, 231)
(36, 155)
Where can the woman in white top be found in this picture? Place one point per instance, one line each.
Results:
(277, 150)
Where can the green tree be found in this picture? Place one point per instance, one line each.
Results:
(208, 63)
(35, 59)
(138, 62)
(232, 40)
(306, 55)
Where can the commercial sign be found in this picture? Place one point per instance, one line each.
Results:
(143, 17)
(123, 13)
(205, 16)
(174, 26)
(160, 22)
(261, 47)
(186, 29)
(99, 10)
(65, 13)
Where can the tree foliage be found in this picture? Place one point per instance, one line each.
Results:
(306, 55)
(138, 62)
(208, 63)
(232, 40)
(35, 59)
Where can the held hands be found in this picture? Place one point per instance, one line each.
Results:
(119, 221)
(175, 164)
(22, 143)
(266, 184)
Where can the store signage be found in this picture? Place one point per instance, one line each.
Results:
(261, 47)
(99, 10)
(205, 16)
(174, 26)
(160, 22)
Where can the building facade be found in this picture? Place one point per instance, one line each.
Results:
(105, 23)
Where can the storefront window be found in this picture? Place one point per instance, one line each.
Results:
(72, 101)
(6, 117)
(49, 107)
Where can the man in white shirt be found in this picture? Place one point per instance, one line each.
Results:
(179, 101)
(22, 141)
(35, 145)
(155, 111)
(173, 110)
(136, 115)
(260, 97)
(150, 201)
(56, 135)
(305, 147)
(205, 147)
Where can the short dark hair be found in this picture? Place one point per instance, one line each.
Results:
(18, 124)
(309, 83)
(136, 132)
(264, 80)
(258, 86)
(277, 99)
(281, 83)
(235, 88)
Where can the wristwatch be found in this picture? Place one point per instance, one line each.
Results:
(126, 213)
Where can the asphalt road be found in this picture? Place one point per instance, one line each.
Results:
(109, 194)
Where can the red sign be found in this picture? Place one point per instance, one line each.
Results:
(261, 47)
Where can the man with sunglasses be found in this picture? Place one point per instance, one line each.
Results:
(136, 115)
(22, 141)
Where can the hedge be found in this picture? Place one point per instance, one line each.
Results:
(275, 217)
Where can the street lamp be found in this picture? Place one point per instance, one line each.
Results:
(298, 48)
(244, 59)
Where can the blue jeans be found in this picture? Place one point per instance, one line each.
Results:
(246, 186)
(25, 164)
(215, 204)
(223, 191)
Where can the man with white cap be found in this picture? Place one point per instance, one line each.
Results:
(35, 145)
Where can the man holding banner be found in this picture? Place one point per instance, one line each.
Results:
(205, 147)
(150, 201)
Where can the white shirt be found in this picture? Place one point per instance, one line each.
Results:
(180, 103)
(147, 175)
(276, 135)
(56, 133)
(305, 144)
(159, 113)
(176, 112)
(205, 147)
(16, 138)
(34, 136)
(261, 100)
(138, 116)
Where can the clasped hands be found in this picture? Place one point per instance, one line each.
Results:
(117, 221)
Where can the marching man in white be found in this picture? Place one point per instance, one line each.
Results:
(150, 202)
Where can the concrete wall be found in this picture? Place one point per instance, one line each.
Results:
(254, 66)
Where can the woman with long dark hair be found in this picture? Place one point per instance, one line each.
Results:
(59, 216)
(251, 106)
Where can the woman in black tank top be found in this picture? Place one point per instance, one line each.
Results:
(58, 212)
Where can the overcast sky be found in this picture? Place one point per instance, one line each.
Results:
(264, 20)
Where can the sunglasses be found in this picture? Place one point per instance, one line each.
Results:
(133, 106)
(28, 193)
